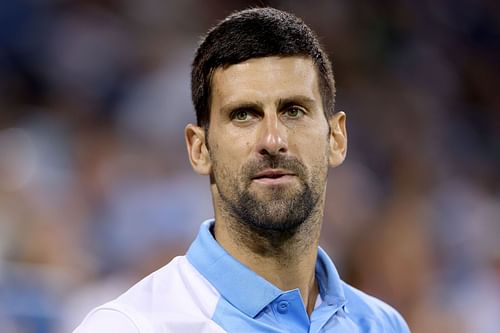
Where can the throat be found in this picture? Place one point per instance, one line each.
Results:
(287, 259)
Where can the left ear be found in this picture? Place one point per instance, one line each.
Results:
(338, 139)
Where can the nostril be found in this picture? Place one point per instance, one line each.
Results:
(272, 152)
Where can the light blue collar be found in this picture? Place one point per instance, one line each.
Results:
(242, 287)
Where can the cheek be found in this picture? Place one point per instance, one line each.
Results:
(313, 146)
(225, 160)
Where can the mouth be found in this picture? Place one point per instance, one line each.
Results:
(273, 177)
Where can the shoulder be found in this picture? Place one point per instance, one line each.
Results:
(370, 311)
(174, 292)
(107, 318)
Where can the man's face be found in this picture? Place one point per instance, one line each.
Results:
(268, 141)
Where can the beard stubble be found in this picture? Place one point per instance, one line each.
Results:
(280, 211)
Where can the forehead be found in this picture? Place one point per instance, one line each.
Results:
(265, 79)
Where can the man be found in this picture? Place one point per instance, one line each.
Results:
(267, 133)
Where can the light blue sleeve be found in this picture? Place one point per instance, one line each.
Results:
(399, 324)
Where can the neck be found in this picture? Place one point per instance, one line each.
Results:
(287, 259)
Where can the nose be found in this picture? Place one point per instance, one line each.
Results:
(272, 138)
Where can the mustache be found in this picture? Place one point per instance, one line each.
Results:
(291, 164)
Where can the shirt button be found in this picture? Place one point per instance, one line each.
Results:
(283, 307)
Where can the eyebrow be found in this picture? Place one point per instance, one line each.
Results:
(282, 102)
(296, 99)
(241, 105)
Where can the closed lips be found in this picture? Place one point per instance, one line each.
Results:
(273, 174)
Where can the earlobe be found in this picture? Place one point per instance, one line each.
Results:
(197, 149)
(338, 139)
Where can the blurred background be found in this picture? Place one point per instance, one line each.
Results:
(96, 190)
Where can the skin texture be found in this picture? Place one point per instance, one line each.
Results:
(268, 151)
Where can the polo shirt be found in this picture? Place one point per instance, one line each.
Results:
(209, 291)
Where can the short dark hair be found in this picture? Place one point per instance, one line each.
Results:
(256, 33)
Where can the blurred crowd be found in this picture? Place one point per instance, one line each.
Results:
(96, 190)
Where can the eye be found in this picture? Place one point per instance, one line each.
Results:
(241, 115)
(294, 112)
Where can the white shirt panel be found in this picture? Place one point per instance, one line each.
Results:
(107, 320)
(176, 298)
